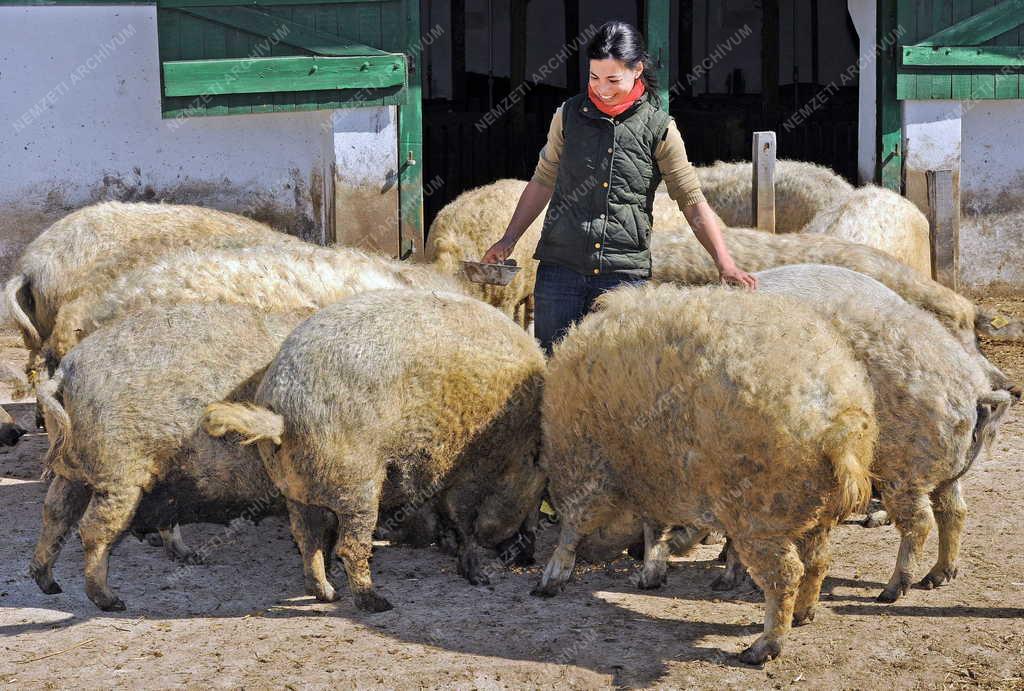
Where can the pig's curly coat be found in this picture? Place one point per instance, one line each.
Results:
(801, 191)
(436, 392)
(710, 405)
(271, 278)
(89, 248)
(879, 218)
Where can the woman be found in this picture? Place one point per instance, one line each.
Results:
(607, 151)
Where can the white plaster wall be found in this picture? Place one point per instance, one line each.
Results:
(981, 142)
(992, 195)
(864, 15)
(80, 121)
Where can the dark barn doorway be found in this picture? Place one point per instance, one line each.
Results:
(493, 79)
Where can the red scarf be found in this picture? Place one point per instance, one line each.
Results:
(634, 93)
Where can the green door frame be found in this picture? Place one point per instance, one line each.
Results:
(657, 15)
(888, 118)
(410, 141)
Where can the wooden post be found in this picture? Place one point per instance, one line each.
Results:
(944, 221)
(763, 195)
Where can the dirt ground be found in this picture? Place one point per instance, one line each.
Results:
(241, 620)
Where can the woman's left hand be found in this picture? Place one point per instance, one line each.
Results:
(730, 275)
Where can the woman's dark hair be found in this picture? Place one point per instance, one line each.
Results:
(624, 42)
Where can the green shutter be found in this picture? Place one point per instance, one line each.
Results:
(961, 49)
(222, 57)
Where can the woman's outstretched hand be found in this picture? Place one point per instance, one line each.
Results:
(730, 275)
(498, 252)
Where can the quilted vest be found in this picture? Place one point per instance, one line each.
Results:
(600, 215)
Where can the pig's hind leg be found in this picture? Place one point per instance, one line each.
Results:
(64, 504)
(312, 533)
(108, 515)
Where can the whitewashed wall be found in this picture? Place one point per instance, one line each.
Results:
(80, 122)
(981, 142)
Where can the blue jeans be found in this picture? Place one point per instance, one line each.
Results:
(562, 296)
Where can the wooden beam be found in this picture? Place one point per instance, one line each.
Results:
(770, 57)
(981, 27)
(267, 75)
(944, 221)
(963, 56)
(763, 196)
(283, 30)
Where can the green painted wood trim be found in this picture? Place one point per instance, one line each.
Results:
(963, 56)
(10, 3)
(268, 75)
(410, 142)
(224, 3)
(657, 18)
(287, 32)
(889, 125)
(981, 27)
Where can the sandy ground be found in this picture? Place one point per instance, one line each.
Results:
(242, 620)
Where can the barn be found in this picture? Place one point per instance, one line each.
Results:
(307, 444)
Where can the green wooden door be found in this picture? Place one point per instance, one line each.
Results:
(231, 57)
(961, 49)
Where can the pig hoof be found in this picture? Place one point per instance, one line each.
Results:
(49, 587)
(326, 593)
(10, 434)
(801, 618)
(372, 602)
(723, 582)
(761, 652)
(549, 590)
(110, 604)
(888, 596)
(645, 582)
(936, 578)
(876, 519)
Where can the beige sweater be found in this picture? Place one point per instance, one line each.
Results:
(677, 171)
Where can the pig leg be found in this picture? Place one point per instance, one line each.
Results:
(559, 567)
(174, 545)
(357, 518)
(814, 553)
(654, 573)
(912, 514)
(950, 511)
(310, 532)
(64, 504)
(459, 509)
(776, 567)
(109, 514)
(735, 572)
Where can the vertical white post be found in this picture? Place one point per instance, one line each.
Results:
(763, 191)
